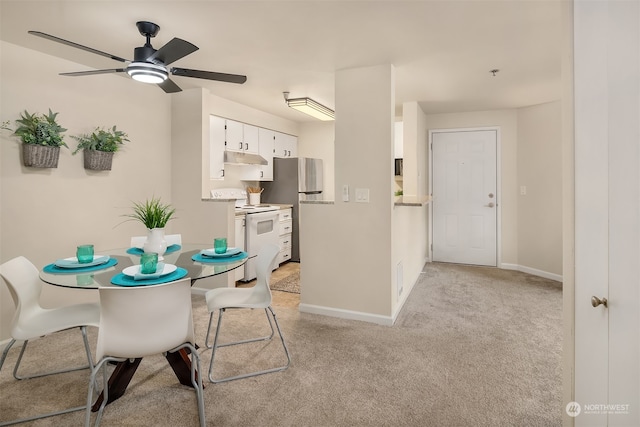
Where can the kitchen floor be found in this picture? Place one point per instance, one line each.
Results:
(283, 299)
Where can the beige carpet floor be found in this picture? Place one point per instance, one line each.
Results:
(472, 347)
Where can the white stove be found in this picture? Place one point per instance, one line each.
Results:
(261, 225)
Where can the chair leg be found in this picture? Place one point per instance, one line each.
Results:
(6, 351)
(83, 330)
(95, 369)
(15, 374)
(206, 341)
(251, 374)
(196, 380)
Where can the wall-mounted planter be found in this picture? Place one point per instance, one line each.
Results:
(40, 156)
(97, 160)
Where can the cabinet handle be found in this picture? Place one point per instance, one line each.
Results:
(289, 153)
(285, 152)
(240, 145)
(222, 170)
(246, 145)
(261, 174)
(285, 242)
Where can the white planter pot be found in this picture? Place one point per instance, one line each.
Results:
(155, 242)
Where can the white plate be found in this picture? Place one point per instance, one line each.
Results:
(72, 262)
(212, 253)
(135, 270)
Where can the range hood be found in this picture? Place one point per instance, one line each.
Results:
(239, 158)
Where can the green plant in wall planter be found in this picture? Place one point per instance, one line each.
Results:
(98, 147)
(41, 138)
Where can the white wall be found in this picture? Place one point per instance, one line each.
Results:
(540, 171)
(347, 245)
(507, 121)
(530, 155)
(416, 155)
(45, 213)
(317, 140)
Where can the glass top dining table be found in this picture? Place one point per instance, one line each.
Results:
(182, 257)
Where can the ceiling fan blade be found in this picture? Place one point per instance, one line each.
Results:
(172, 51)
(209, 75)
(169, 86)
(91, 72)
(76, 45)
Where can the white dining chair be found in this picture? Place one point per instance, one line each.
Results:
(142, 321)
(258, 296)
(32, 321)
(172, 239)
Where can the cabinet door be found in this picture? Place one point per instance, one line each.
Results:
(265, 141)
(285, 145)
(250, 139)
(216, 147)
(234, 138)
(239, 234)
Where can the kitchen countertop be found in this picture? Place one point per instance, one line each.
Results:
(412, 200)
(399, 201)
(281, 206)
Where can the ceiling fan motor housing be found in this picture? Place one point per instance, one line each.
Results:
(142, 53)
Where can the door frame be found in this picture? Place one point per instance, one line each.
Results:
(498, 186)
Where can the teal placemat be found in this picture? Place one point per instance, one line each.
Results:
(124, 280)
(201, 258)
(140, 251)
(54, 269)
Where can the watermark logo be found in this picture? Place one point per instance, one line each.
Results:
(573, 409)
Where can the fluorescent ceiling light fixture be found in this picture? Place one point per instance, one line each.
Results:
(310, 107)
(147, 73)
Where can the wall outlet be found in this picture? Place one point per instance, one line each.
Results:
(345, 193)
(523, 190)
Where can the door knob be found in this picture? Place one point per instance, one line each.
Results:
(595, 301)
(491, 204)
(491, 195)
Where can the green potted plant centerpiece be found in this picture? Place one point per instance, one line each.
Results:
(154, 215)
(98, 147)
(41, 138)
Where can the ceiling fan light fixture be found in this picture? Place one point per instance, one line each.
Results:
(312, 108)
(146, 72)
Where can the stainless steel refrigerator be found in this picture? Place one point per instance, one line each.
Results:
(294, 179)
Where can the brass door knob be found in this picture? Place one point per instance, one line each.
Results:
(595, 301)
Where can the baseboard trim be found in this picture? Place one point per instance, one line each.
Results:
(346, 314)
(533, 271)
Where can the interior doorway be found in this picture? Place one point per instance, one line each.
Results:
(465, 207)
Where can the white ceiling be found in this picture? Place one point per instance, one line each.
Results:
(442, 51)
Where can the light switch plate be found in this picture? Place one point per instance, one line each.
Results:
(362, 195)
(345, 193)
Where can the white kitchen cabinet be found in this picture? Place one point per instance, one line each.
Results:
(216, 147)
(265, 142)
(261, 172)
(286, 230)
(241, 137)
(239, 234)
(285, 145)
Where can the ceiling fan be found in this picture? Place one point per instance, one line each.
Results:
(150, 65)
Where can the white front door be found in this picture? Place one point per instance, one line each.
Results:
(465, 197)
(607, 213)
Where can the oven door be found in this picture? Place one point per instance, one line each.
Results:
(261, 228)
